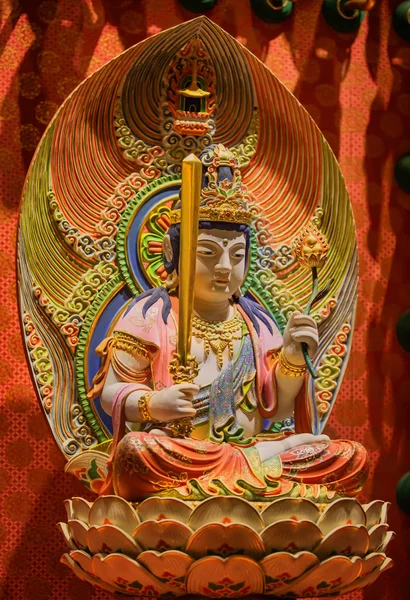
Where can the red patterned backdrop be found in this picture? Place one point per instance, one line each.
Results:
(356, 87)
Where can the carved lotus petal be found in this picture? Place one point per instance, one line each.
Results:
(69, 562)
(376, 513)
(291, 536)
(225, 510)
(68, 505)
(347, 540)
(296, 509)
(162, 535)
(109, 538)
(370, 562)
(225, 540)
(78, 533)
(82, 463)
(389, 536)
(170, 567)
(372, 566)
(377, 535)
(232, 577)
(158, 509)
(63, 527)
(80, 509)
(126, 575)
(326, 578)
(282, 568)
(113, 510)
(84, 560)
(345, 511)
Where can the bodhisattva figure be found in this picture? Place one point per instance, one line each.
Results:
(180, 318)
(247, 376)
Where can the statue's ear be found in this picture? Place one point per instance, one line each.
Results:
(167, 248)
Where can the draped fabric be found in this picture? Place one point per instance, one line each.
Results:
(192, 469)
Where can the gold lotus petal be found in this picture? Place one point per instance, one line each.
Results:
(296, 509)
(376, 512)
(69, 562)
(122, 572)
(173, 562)
(225, 510)
(388, 563)
(83, 460)
(158, 509)
(68, 504)
(63, 527)
(291, 536)
(347, 540)
(81, 509)
(109, 539)
(337, 571)
(345, 511)
(78, 533)
(371, 562)
(282, 566)
(389, 536)
(162, 535)
(377, 535)
(84, 560)
(225, 540)
(113, 510)
(215, 571)
(372, 566)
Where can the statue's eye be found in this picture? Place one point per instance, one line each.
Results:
(238, 254)
(205, 252)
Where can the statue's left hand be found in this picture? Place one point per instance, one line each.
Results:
(300, 328)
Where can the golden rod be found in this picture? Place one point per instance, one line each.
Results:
(190, 199)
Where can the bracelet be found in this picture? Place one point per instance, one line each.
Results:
(288, 369)
(143, 408)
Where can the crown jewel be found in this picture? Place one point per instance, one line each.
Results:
(223, 198)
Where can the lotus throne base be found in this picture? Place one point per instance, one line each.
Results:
(226, 546)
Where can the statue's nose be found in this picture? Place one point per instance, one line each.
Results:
(224, 264)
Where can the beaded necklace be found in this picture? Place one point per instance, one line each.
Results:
(218, 335)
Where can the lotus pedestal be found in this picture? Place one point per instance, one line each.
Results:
(226, 547)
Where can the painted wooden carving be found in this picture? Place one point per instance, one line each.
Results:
(188, 279)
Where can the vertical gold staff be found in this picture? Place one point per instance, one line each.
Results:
(183, 367)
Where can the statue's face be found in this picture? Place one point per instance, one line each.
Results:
(220, 264)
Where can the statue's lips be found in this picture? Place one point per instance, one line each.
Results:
(221, 281)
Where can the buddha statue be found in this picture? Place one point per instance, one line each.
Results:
(246, 376)
(170, 338)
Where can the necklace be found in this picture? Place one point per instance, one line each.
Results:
(218, 335)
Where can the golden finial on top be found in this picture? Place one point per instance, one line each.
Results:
(194, 91)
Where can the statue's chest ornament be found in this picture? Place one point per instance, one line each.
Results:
(218, 335)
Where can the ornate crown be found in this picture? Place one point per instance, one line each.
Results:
(223, 198)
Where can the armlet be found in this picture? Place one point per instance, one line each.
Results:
(130, 343)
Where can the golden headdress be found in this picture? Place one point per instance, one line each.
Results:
(223, 198)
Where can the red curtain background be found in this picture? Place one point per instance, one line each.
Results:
(356, 87)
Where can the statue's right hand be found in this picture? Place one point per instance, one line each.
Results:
(174, 402)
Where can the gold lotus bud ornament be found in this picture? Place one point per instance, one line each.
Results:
(310, 249)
